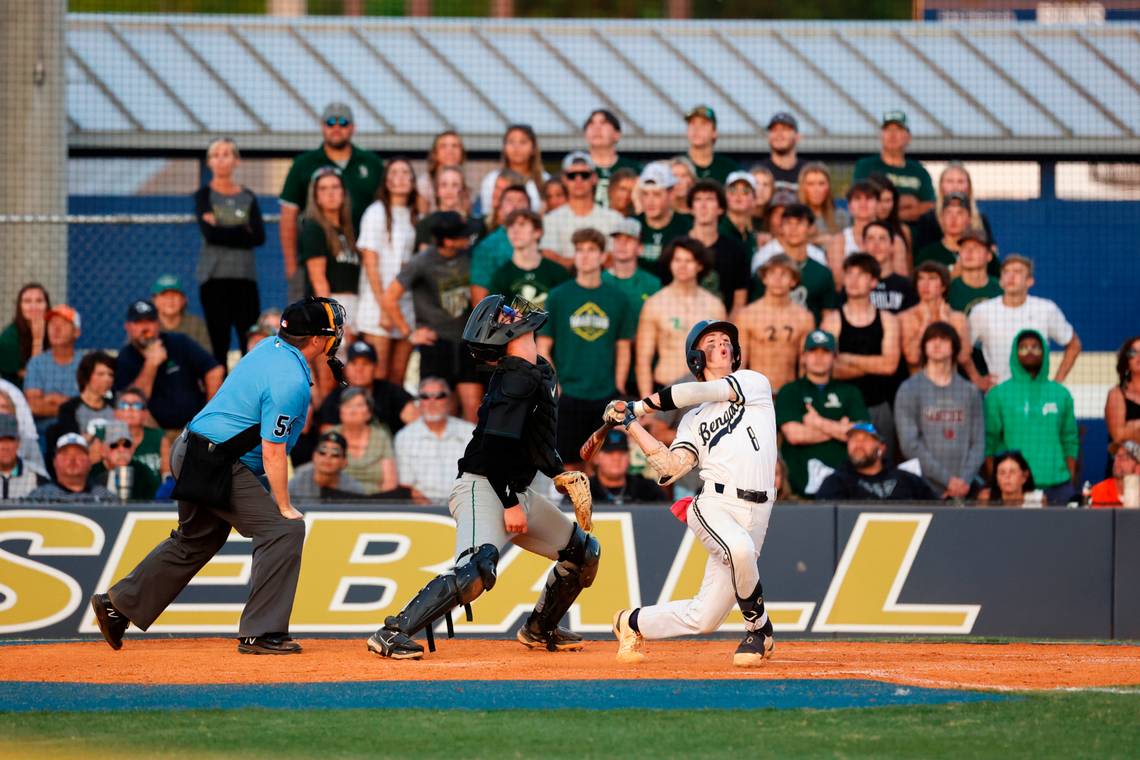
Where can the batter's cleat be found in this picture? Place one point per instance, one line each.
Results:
(558, 640)
(756, 647)
(112, 623)
(268, 643)
(630, 642)
(395, 645)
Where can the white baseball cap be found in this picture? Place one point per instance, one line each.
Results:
(741, 177)
(627, 226)
(71, 439)
(657, 174)
(575, 157)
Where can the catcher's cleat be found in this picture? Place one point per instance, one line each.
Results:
(268, 643)
(756, 647)
(395, 645)
(112, 623)
(558, 640)
(630, 642)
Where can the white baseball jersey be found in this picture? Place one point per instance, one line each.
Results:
(734, 441)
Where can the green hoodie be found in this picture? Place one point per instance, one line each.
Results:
(1034, 416)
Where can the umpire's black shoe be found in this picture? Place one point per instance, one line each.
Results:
(268, 643)
(558, 640)
(112, 623)
(394, 644)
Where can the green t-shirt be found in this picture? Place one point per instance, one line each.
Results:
(731, 231)
(816, 290)
(361, 178)
(602, 189)
(654, 240)
(833, 401)
(637, 290)
(341, 269)
(936, 251)
(512, 280)
(586, 324)
(148, 452)
(719, 169)
(911, 179)
(962, 297)
(488, 255)
(10, 360)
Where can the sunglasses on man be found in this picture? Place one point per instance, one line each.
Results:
(583, 176)
(439, 395)
(123, 444)
(137, 406)
(338, 122)
(330, 451)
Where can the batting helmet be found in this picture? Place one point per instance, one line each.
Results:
(493, 324)
(695, 357)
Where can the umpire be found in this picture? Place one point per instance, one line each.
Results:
(231, 470)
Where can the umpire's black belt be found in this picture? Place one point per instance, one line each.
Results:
(756, 497)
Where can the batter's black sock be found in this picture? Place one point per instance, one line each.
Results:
(633, 620)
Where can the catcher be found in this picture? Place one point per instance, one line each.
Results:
(492, 501)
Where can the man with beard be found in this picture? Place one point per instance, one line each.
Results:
(782, 161)
(864, 477)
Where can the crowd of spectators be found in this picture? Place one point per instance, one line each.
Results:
(909, 360)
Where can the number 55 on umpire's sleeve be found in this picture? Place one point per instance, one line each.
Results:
(281, 410)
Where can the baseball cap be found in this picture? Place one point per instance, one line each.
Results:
(361, 350)
(961, 199)
(450, 225)
(819, 339)
(785, 118)
(738, 176)
(705, 112)
(895, 117)
(142, 311)
(9, 426)
(65, 311)
(167, 282)
(783, 197)
(657, 174)
(337, 111)
(865, 427)
(577, 157)
(615, 441)
(113, 430)
(71, 439)
(334, 437)
(627, 226)
(976, 235)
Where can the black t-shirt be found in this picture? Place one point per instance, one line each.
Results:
(342, 267)
(178, 393)
(636, 489)
(894, 293)
(784, 179)
(388, 400)
(892, 484)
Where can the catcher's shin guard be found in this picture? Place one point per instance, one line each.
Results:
(576, 569)
(444, 593)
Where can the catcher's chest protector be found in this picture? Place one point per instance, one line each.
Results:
(522, 403)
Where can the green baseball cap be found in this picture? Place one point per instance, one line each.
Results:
(167, 282)
(819, 339)
(705, 112)
(895, 117)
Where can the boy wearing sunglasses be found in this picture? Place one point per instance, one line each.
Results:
(579, 211)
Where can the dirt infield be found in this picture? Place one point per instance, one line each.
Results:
(216, 661)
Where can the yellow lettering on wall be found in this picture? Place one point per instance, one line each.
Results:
(684, 580)
(35, 595)
(864, 592)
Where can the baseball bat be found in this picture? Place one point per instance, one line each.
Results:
(594, 442)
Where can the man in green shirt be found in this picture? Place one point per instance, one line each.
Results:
(816, 290)
(527, 274)
(603, 131)
(814, 414)
(587, 339)
(916, 191)
(701, 132)
(954, 217)
(624, 274)
(360, 169)
(974, 283)
(660, 224)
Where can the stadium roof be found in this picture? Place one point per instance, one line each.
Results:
(173, 82)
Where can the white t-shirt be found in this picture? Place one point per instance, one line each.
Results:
(487, 192)
(392, 252)
(734, 441)
(773, 248)
(995, 325)
(561, 223)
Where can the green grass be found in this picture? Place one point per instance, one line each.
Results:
(1068, 725)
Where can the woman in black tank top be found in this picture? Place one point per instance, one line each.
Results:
(1122, 409)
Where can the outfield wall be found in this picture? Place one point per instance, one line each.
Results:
(827, 570)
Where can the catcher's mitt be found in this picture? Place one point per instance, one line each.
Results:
(576, 485)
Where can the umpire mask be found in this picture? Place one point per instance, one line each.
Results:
(323, 317)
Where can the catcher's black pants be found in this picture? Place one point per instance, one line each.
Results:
(201, 532)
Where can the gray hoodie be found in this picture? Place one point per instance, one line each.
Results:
(944, 428)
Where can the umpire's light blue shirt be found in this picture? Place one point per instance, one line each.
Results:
(270, 387)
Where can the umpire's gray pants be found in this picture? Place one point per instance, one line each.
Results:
(201, 532)
(478, 514)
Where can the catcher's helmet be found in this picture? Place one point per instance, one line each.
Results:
(695, 357)
(493, 324)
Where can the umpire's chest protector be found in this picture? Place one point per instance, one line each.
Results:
(522, 404)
